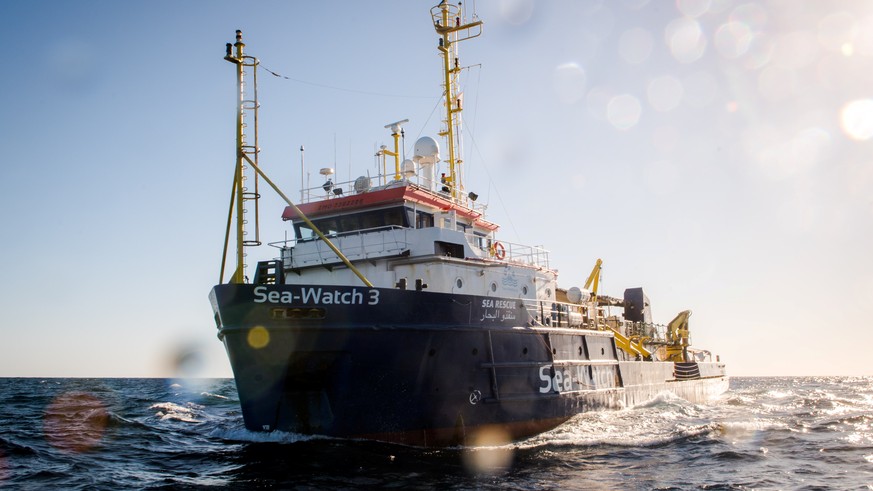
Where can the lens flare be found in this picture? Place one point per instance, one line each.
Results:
(597, 102)
(258, 337)
(624, 111)
(693, 8)
(490, 452)
(4, 468)
(750, 14)
(569, 82)
(516, 12)
(75, 422)
(686, 41)
(856, 119)
(837, 31)
(760, 52)
(732, 39)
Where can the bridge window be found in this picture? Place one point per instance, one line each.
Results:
(423, 219)
(368, 220)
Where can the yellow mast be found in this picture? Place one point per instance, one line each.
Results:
(447, 20)
(396, 131)
(241, 194)
(248, 154)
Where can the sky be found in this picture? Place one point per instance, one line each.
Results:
(716, 153)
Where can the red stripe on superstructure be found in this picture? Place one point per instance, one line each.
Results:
(346, 203)
(416, 195)
(383, 197)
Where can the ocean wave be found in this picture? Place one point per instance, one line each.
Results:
(214, 396)
(239, 434)
(189, 413)
(741, 456)
(661, 399)
(142, 433)
(652, 425)
(9, 448)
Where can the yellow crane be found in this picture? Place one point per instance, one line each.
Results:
(631, 347)
(678, 337)
(593, 280)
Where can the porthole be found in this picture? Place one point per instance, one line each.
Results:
(493, 286)
(524, 351)
(475, 351)
(602, 351)
(460, 283)
(580, 351)
(524, 290)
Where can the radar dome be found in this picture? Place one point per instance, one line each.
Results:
(426, 151)
(407, 168)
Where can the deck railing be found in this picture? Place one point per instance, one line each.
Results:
(357, 244)
(563, 314)
(518, 253)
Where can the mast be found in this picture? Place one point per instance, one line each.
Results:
(449, 24)
(241, 196)
(243, 199)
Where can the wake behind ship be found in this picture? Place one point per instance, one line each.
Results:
(397, 314)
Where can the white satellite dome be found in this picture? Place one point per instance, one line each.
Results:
(407, 168)
(426, 151)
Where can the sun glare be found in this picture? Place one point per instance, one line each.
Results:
(856, 119)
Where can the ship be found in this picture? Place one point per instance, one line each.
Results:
(395, 312)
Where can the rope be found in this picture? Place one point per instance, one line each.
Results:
(343, 89)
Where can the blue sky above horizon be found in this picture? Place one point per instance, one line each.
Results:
(716, 153)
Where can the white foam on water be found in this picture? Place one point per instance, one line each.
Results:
(240, 434)
(215, 396)
(175, 412)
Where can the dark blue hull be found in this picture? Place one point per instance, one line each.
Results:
(422, 368)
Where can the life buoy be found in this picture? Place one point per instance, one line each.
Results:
(498, 251)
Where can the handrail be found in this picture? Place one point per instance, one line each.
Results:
(318, 193)
(528, 254)
(560, 311)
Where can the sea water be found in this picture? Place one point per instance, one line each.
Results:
(765, 433)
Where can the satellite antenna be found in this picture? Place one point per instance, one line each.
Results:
(396, 130)
(327, 172)
(396, 127)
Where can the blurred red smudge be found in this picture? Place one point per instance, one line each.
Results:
(75, 422)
